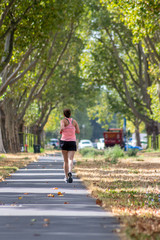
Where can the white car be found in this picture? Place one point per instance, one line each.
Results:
(100, 143)
(85, 143)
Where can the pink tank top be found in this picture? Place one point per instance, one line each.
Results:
(68, 134)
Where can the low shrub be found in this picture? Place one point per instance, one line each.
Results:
(90, 152)
(113, 153)
(132, 152)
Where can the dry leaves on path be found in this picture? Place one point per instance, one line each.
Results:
(50, 195)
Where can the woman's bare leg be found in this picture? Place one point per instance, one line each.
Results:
(65, 165)
(70, 159)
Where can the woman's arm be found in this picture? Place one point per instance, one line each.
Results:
(62, 126)
(77, 127)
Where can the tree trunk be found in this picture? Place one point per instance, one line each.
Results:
(2, 149)
(39, 136)
(7, 53)
(158, 127)
(137, 134)
(36, 130)
(152, 130)
(10, 127)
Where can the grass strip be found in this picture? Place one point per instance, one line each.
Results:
(10, 163)
(129, 187)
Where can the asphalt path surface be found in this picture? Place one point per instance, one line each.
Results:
(36, 203)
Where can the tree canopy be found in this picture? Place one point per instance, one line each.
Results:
(100, 55)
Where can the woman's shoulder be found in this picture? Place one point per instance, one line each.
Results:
(65, 121)
(74, 121)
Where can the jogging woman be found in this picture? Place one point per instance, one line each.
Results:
(69, 128)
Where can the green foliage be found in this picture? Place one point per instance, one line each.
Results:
(113, 153)
(84, 124)
(53, 122)
(2, 157)
(101, 109)
(101, 70)
(112, 60)
(31, 150)
(142, 17)
(10, 168)
(46, 27)
(32, 113)
(155, 98)
(151, 150)
(88, 75)
(132, 152)
(90, 152)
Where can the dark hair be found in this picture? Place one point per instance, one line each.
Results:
(67, 112)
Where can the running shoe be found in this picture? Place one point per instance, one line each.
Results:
(66, 180)
(70, 179)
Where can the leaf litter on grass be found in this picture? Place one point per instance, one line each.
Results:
(130, 189)
(10, 163)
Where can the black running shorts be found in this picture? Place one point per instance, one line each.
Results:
(68, 145)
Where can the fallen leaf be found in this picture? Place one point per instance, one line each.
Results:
(26, 193)
(60, 194)
(50, 195)
(46, 220)
(19, 197)
(33, 220)
(66, 202)
(99, 202)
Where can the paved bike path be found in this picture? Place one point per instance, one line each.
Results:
(28, 213)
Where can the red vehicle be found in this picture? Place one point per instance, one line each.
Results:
(113, 136)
